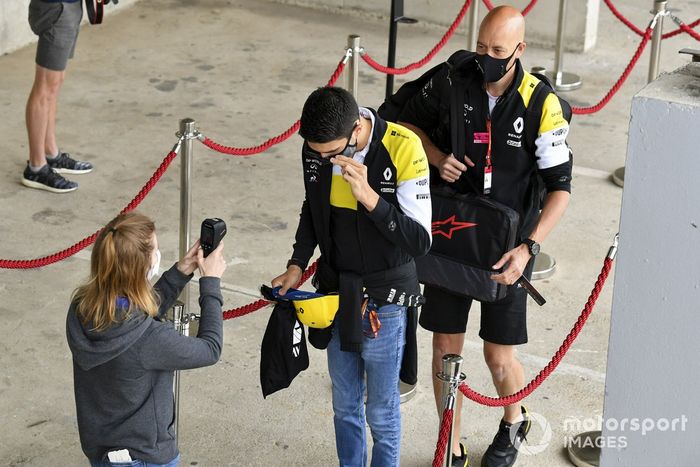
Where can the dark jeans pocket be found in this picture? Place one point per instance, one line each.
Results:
(43, 16)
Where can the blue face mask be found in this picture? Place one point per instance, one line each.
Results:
(494, 69)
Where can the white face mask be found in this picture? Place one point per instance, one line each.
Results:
(153, 272)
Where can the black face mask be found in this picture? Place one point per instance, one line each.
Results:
(494, 69)
(348, 151)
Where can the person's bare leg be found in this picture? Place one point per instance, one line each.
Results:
(50, 144)
(444, 344)
(42, 99)
(507, 374)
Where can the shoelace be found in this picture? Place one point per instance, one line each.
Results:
(56, 180)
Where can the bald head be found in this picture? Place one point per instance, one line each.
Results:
(502, 38)
(504, 22)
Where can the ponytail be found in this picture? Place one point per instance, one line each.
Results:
(119, 261)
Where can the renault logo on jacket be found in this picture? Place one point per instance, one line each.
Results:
(387, 174)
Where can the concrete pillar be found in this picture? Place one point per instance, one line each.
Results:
(15, 31)
(581, 20)
(653, 372)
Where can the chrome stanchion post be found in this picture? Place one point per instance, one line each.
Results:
(473, 33)
(561, 80)
(659, 12)
(353, 73)
(178, 317)
(451, 378)
(188, 132)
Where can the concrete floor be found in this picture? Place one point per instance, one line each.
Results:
(242, 69)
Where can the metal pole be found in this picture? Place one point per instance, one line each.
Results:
(178, 315)
(391, 54)
(451, 378)
(188, 131)
(659, 13)
(473, 25)
(562, 80)
(354, 71)
(559, 53)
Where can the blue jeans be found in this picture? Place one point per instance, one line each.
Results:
(134, 463)
(381, 361)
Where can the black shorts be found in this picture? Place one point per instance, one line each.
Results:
(502, 322)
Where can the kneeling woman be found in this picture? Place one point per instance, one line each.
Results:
(124, 357)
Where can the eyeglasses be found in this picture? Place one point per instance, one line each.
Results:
(318, 157)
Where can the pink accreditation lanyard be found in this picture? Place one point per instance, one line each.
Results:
(488, 168)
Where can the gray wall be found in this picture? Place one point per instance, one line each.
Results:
(581, 26)
(14, 30)
(653, 372)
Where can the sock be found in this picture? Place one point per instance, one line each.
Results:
(52, 157)
(36, 169)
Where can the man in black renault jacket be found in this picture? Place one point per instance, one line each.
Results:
(368, 210)
(503, 157)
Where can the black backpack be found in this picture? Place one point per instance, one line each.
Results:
(392, 107)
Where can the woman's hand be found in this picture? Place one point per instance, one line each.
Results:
(188, 264)
(213, 265)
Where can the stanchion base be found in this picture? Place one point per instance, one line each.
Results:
(566, 81)
(545, 266)
(407, 391)
(618, 177)
(583, 451)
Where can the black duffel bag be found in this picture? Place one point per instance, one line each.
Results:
(470, 234)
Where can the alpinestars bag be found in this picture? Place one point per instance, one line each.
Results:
(470, 234)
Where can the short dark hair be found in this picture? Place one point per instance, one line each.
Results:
(329, 113)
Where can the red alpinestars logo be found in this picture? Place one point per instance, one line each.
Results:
(449, 226)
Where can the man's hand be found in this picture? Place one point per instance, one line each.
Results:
(451, 169)
(288, 279)
(355, 174)
(516, 259)
(188, 264)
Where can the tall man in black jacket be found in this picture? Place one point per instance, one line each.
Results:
(503, 160)
(368, 210)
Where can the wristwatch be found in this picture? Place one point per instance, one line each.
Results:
(532, 246)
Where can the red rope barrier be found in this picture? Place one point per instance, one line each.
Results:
(441, 446)
(556, 359)
(249, 151)
(640, 33)
(87, 241)
(415, 65)
(526, 10)
(687, 29)
(622, 18)
(603, 102)
(262, 303)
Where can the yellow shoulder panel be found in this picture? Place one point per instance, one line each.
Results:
(406, 151)
(527, 86)
(552, 115)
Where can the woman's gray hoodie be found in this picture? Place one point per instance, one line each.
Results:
(123, 376)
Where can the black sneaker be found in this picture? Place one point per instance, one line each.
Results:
(462, 460)
(47, 179)
(504, 449)
(64, 164)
